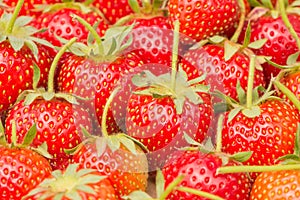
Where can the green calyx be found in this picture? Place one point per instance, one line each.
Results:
(30, 95)
(68, 183)
(17, 31)
(27, 141)
(161, 86)
(102, 49)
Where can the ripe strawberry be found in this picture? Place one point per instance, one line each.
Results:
(59, 22)
(19, 53)
(265, 125)
(223, 72)
(29, 8)
(21, 167)
(280, 43)
(116, 156)
(73, 183)
(114, 10)
(58, 120)
(202, 19)
(283, 184)
(94, 74)
(200, 173)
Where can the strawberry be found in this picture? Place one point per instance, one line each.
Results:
(281, 184)
(280, 41)
(73, 183)
(265, 125)
(93, 74)
(57, 116)
(116, 156)
(21, 168)
(29, 7)
(58, 21)
(164, 107)
(114, 10)
(19, 52)
(200, 173)
(202, 19)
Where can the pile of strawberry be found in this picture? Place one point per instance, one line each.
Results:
(106, 99)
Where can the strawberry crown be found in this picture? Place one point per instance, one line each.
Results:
(68, 183)
(17, 31)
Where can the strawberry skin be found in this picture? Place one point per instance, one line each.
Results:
(127, 172)
(202, 19)
(58, 124)
(283, 184)
(200, 173)
(220, 74)
(155, 123)
(21, 170)
(16, 72)
(280, 44)
(269, 135)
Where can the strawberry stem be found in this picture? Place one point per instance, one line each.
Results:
(239, 29)
(171, 187)
(14, 16)
(105, 111)
(287, 22)
(199, 193)
(175, 54)
(290, 95)
(250, 82)
(219, 133)
(54, 64)
(93, 32)
(256, 168)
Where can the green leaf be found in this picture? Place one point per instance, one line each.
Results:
(160, 183)
(36, 76)
(217, 39)
(30, 136)
(101, 145)
(292, 59)
(230, 49)
(190, 140)
(22, 21)
(73, 195)
(128, 143)
(242, 156)
(232, 113)
(258, 44)
(71, 170)
(134, 5)
(113, 143)
(68, 97)
(138, 195)
(90, 178)
(48, 95)
(16, 43)
(113, 46)
(43, 150)
(179, 102)
(247, 35)
(241, 93)
(33, 47)
(252, 112)
(87, 189)
(30, 98)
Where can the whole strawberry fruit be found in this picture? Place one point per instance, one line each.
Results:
(200, 173)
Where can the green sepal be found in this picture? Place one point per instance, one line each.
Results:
(137, 195)
(30, 136)
(257, 44)
(101, 145)
(134, 5)
(233, 113)
(36, 76)
(292, 59)
(43, 150)
(241, 156)
(217, 39)
(230, 49)
(160, 183)
(252, 112)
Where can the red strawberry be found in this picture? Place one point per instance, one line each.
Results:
(94, 74)
(265, 125)
(117, 156)
(73, 183)
(280, 43)
(21, 167)
(19, 53)
(57, 118)
(200, 173)
(60, 22)
(202, 19)
(114, 10)
(29, 8)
